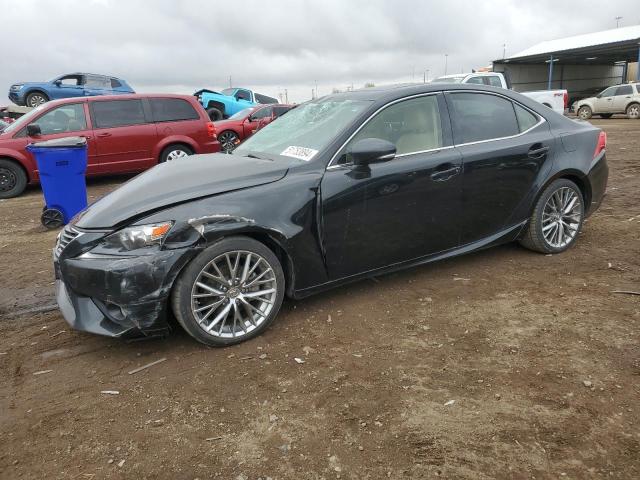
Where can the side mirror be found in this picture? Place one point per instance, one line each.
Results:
(371, 150)
(58, 83)
(33, 130)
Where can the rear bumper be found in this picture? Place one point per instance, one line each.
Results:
(598, 176)
(118, 297)
(211, 147)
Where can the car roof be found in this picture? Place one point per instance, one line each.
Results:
(392, 92)
(129, 96)
(94, 74)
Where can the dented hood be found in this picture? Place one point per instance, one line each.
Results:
(180, 181)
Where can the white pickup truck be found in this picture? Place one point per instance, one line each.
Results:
(554, 99)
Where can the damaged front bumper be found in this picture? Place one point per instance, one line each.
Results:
(118, 296)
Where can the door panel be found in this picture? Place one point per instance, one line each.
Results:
(124, 139)
(389, 212)
(405, 208)
(498, 177)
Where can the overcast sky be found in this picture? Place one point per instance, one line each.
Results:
(181, 46)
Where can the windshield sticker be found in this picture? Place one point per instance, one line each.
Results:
(303, 153)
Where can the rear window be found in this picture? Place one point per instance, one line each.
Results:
(478, 116)
(172, 110)
(117, 113)
(625, 90)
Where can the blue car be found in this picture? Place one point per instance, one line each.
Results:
(32, 94)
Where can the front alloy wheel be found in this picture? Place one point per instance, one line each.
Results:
(35, 99)
(585, 112)
(556, 219)
(230, 292)
(228, 140)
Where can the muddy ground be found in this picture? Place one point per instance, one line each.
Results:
(499, 364)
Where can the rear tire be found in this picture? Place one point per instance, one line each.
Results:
(35, 99)
(13, 179)
(556, 219)
(633, 111)
(215, 114)
(174, 152)
(217, 290)
(585, 112)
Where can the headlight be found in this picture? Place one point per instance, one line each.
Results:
(15, 88)
(140, 236)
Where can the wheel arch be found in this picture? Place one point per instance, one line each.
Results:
(216, 104)
(30, 176)
(167, 142)
(36, 90)
(576, 176)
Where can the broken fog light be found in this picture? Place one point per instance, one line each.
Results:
(140, 236)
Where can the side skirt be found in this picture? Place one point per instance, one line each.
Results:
(504, 236)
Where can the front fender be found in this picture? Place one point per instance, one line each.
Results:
(26, 161)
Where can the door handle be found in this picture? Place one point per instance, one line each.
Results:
(537, 153)
(444, 175)
(102, 135)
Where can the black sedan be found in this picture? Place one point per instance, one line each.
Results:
(348, 186)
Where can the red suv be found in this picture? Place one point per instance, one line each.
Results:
(125, 133)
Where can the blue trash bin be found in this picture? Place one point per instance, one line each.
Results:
(62, 164)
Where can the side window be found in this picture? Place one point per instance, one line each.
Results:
(243, 95)
(115, 83)
(479, 116)
(66, 118)
(262, 113)
(117, 113)
(526, 119)
(475, 80)
(494, 81)
(280, 110)
(97, 81)
(172, 109)
(71, 80)
(624, 90)
(412, 125)
(609, 92)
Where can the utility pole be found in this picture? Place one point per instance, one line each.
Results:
(230, 85)
(427, 74)
(446, 61)
(504, 50)
(286, 96)
(317, 94)
(618, 21)
(424, 77)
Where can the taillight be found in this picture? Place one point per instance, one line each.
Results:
(566, 99)
(211, 130)
(602, 144)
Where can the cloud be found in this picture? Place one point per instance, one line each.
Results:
(282, 44)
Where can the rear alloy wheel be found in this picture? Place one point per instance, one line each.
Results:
(633, 111)
(585, 112)
(13, 180)
(228, 140)
(230, 292)
(175, 152)
(35, 99)
(556, 219)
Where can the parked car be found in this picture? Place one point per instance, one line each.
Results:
(125, 133)
(617, 99)
(220, 105)
(32, 94)
(290, 212)
(557, 100)
(245, 123)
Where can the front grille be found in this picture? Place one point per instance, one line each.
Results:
(67, 235)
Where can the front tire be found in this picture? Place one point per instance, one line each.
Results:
(35, 99)
(231, 292)
(228, 140)
(633, 111)
(13, 179)
(585, 112)
(174, 152)
(556, 219)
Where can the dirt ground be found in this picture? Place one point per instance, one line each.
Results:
(504, 364)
